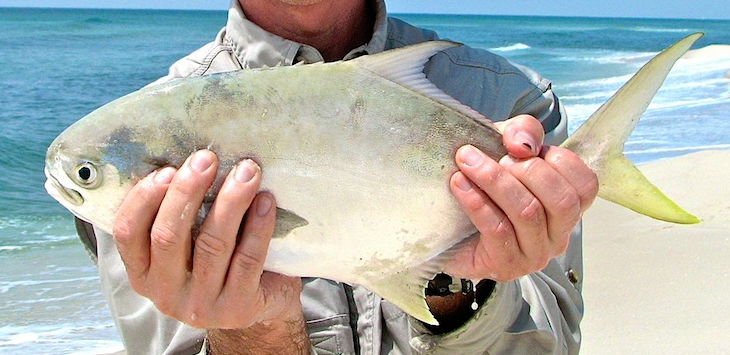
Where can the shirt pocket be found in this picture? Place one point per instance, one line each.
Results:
(327, 314)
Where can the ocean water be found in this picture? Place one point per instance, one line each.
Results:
(59, 65)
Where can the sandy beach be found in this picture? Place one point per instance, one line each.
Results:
(657, 288)
(710, 52)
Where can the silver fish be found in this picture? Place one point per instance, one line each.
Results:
(358, 155)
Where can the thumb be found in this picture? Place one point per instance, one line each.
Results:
(522, 136)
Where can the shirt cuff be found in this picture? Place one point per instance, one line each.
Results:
(482, 330)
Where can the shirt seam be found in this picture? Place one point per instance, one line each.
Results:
(208, 60)
(538, 89)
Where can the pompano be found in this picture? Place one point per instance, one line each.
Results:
(358, 155)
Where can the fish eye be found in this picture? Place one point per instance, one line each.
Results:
(86, 175)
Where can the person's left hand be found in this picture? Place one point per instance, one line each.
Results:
(523, 206)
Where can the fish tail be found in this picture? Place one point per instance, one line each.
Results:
(600, 141)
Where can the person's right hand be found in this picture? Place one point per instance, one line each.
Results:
(219, 281)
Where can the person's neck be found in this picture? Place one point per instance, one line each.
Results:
(334, 27)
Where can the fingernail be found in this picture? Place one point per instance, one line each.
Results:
(165, 175)
(527, 140)
(470, 156)
(201, 160)
(463, 183)
(507, 161)
(264, 205)
(245, 171)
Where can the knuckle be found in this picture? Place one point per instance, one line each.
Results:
(187, 185)
(590, 188)
(488, 174)
(473, 204)
(532, 166)
(533, 212)
(164, 237)
(208, 245)
(165, 306)
(563, 156)
(248, 259)
(503, 230)
(122, 228)
(569, 203)
(493, 173)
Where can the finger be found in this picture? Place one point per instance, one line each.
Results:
(522, 136)
(248, 259)
(522, 208)
(557, 196)
(170, 237)
(217, 239)
(497, 245)
(575, 172)
(133, 222)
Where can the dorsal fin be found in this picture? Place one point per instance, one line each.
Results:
(404, 66)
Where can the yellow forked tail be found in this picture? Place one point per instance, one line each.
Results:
(600, 141)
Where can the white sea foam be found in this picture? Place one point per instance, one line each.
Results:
(678, 149)
(514, 47)
(60, 339)
(605, 57)
(661, 29)
(6, 286)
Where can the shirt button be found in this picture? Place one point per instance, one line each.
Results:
(573, 276)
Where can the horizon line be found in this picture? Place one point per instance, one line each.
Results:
(395, 13)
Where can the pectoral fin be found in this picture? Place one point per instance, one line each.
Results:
(287, 221)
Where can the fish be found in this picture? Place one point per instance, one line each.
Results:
(357, 153)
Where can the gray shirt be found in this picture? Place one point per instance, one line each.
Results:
(536, 314)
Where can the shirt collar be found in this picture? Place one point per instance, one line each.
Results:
(254, 47)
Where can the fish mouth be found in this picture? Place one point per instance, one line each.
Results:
(57, 190)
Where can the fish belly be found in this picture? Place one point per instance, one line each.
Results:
(367, 168)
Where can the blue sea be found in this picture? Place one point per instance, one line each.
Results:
(58, 65)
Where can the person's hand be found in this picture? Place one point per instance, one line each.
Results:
(523, 206)
(217, 281)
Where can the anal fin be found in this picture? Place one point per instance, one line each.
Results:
(406, 289)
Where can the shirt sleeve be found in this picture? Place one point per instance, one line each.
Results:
(498, 88)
